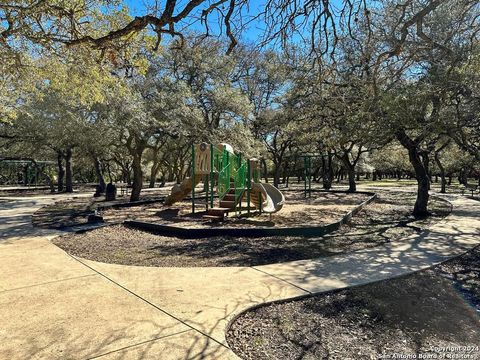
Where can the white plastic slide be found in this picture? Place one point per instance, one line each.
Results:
(227, 147)
(272, 198)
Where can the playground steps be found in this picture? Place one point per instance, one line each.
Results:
(230, 204)
(229, 201)
(216, 213)
(214, 217)
(229, 197)
(218, 210)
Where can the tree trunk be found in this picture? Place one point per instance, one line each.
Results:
(426, 164)
(285, 173)
(25, 175)
(327, 172)
(462, 177)
(421, 204)
(442, 174)
(153, 174)
(98, 172)
(316, 174)
(49, 182)
(276, 175)
(352, 185)
(265, 172)
(41, 171)
(137, 176)
(68, 171)
(61, 172)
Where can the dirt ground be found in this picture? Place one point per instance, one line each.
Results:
(415, 314)
(25, 193)
(75, 211)
(323, 208)
(384, 220)
(64, 213)
(41, 190)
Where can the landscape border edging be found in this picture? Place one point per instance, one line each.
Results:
(194, 233)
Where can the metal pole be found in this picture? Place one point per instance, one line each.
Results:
(212, 176)
(193, 178)
(249, 186)
(207, 185)
(243, 185)
(305, 174)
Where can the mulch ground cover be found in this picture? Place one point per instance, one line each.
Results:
(433, 313)
(384, 220)
(322, 208)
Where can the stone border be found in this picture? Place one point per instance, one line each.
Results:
(194, 233)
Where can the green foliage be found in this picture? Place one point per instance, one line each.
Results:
(121, 103)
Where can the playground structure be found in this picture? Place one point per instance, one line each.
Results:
(236, 180)
(307, 170)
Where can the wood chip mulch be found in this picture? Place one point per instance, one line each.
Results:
(408, 316)
(385, 220)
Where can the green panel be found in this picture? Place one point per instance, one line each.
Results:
(224, 174)
(217, 159)
(240, 179)
(233, 168)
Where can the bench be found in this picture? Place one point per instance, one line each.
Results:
(469, 187)
(124, 189)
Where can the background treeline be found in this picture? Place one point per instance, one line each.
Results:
(397, 96)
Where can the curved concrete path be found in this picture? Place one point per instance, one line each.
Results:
(55, 306)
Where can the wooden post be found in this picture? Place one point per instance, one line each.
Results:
(193, 178)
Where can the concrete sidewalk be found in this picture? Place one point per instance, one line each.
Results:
(54, 306)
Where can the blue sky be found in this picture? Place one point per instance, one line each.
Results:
(252, 34)
(137, 7)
